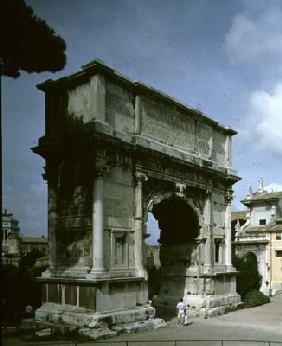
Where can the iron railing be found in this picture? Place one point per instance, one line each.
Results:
(196, 342)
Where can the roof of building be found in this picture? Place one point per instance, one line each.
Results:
(9, 217)
(98, 66)
(34, 240)
(262, 196)
(251, 241)
(273, 227)
(239, 215)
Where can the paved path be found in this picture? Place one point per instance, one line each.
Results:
(259, 323)
(262, 323)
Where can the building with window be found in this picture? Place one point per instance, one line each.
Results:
(10, 229)
(10, 239)
(34, 244)
(261, 234)
(15, 247)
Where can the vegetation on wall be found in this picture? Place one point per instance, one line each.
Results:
(249, 280)
(255, 298)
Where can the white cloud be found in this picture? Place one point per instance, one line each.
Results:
(255, 37)
(265, 119)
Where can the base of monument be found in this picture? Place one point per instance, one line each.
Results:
(200, 306)
(59, 320)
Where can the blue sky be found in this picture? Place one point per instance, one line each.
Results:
(223, 57)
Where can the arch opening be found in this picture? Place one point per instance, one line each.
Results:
(177, 221)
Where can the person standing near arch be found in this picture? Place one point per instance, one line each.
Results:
(181, 312)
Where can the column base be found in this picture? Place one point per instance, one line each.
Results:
(47, 273)
(208, 269)
(94, 274)
(98, 274)
(142, 273)
(230, 268)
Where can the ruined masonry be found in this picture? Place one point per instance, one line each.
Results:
(115, 150)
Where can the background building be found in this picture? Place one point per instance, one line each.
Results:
(34, 244)
(10, 229)
(10, 239)
(15, 247)
(261, 234)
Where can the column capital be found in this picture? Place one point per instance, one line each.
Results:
(101, 170)
(180, 189)
(140, 178)
(208, 192)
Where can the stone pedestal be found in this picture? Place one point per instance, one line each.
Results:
(110, 304)
(206, 295)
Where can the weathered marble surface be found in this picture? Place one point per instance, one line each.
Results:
(113, 149)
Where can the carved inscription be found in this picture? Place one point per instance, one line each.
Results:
(203, 147)
(167, 125)
(204, 134)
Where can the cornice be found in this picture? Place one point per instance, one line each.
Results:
(139, 88)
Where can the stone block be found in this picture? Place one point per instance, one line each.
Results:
(216, 311)
(44, 332)
(195, 300)
(28, 324)
(203, 313)
(158, 323)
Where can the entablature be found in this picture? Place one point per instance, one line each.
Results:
(156, 158)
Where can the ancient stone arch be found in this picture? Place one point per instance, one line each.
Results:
(114, 147)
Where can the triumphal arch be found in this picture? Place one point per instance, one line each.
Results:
(116, 149)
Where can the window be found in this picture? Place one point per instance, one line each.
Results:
(278, 253)
(262, 222)
(278, 236)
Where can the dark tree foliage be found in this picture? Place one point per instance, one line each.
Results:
(27, 43)
(248, 278)
(19, 288)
